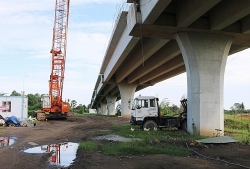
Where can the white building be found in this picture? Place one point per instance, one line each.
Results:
(14, 106)
(92, 111)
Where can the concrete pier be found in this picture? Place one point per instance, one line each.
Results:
(205, 58)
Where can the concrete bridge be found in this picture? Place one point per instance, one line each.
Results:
(158, 39)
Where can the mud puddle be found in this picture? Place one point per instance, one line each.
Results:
(62, 154)
(7, 141)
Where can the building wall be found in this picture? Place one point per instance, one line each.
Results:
(92, 111)
(19, 106)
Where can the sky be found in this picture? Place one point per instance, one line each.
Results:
(26, 28)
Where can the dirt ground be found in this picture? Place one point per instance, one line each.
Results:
(77, 129)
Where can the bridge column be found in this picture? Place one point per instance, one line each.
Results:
(127, 91)
(111, 100)
(205, 58)
(99, 110)
(103, 108)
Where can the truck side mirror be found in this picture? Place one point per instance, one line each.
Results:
(129, 102)
(138, 106)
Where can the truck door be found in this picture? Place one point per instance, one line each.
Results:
(153, 108)
(142, 108)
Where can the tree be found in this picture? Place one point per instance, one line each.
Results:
(79, 109)
(73, 104)
(164, 107)
(238, 108)
(15, 93)
(34, 101)
(175, 108)
(2, 94)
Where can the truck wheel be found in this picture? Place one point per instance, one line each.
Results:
(184, 125)
(150, 124)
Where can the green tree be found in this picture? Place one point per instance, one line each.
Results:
(2, 94)
(79, 109)
(15, 93)
(34, 102)
(164, 107)
(85, 109)
(238, 108)
(73, 104)
(174, 108)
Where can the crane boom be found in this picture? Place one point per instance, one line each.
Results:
(53, 103)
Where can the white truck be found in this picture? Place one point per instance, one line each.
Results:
(146, 114)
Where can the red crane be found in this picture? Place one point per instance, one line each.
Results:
(52, 104)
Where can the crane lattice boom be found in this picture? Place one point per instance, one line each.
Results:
(58, 51)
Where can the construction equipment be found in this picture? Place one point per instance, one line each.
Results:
(146, 113)
(52, 104)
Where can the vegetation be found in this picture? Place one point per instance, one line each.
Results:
(169, 110)
(34, 104)
(238, 126)
(15, 93)
(152, 142)
(88, 146)
(80, 109)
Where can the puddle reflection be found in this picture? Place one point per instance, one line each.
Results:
(7, 141)
(63, 154)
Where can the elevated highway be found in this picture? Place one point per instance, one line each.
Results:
(158, 39)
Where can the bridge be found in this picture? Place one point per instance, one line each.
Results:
(158, 39)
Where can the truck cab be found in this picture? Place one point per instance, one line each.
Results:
(143, 107)
(145, 112)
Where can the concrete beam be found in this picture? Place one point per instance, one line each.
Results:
(166, 53)
(163, 69)
(143, 51)
(234, 27)
(228, 12)
(169, 75)
(120, 25)
(114, 91)
(245, 23)
(237, 48)
(122, 50)
(125, 44)
(108, 89)
(189, 11)
(151, 10)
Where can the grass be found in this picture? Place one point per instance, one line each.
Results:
(165, 141)
(143, 148)
(153, 142)
(237, 127)
(88, 146)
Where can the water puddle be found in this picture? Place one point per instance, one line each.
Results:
(113, 137)
(7, 141)
(62, 154)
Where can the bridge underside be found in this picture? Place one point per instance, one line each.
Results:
(157, 40)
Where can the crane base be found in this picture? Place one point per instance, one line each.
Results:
(41, 116)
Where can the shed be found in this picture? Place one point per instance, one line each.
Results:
(14, 106)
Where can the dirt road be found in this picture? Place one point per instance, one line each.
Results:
(77, 129)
